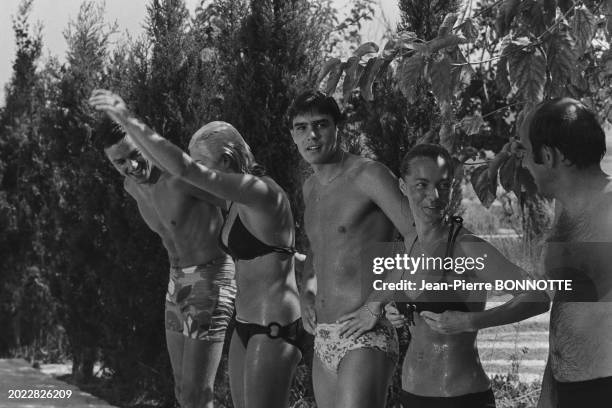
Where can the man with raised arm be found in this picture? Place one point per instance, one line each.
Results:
(201, 289)
(351, 203)
(563, 144)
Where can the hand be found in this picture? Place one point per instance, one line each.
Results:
(449, 322)
(393, 315)
(360, 321)
(111, 103)
(309, 316)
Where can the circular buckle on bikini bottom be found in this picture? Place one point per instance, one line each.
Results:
(275, 330)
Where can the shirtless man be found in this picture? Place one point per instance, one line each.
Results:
(199, 301)
(351, 202)
(563, 144)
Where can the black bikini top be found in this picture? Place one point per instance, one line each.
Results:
(241, 244)
(452, 300)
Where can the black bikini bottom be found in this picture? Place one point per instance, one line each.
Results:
(484, 399)
(293, 333)
(596, 393)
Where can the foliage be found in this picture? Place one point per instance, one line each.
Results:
(543, 49)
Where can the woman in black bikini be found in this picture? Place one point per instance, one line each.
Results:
(442, 367)
(259, 234)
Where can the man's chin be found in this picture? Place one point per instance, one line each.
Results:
(140, 179)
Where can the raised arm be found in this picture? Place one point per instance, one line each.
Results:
(242, 188)
(382, 187)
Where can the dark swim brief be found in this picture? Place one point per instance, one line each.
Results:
(200, 299)
(484, 399)
(596, 393)
(293, 333)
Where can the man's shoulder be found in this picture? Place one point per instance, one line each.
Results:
(369, 171)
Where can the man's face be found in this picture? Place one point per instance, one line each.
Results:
(427, 187)
(541, 173)
(127, 159)
(315, 136)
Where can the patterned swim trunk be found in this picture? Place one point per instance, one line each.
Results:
(200, 299)
(330, 348)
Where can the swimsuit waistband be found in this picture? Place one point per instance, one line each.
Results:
(191, 269)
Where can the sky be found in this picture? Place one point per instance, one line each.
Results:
(54, 16)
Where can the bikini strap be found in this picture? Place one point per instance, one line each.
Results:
(456, 223)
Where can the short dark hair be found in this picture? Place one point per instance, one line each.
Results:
(110, 133)
(568, 125)
(312, 100)
(429, 150)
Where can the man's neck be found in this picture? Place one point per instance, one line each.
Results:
(578, 189)
(326, 172)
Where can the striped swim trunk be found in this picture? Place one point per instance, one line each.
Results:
(200, 299)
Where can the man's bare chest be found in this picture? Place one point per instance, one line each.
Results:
(336, 210)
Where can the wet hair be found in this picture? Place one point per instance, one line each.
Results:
(429, 150)
(312, 100)
(222, 139)
(568, 125)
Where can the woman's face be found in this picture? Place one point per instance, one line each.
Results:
(427, 186)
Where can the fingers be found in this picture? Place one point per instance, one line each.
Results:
(346, 317)
(390, 308)
(397, 321)
(349, 329)
(431, 316)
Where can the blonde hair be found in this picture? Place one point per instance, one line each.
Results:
(219, 139)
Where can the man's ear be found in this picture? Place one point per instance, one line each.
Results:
(550, 157)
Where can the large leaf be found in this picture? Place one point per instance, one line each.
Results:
(532, 15)
(350, 78)
(329, 65)
(439, 73)
(333, 79)
(505, 14)
(507, 173)
(584, 25)
(366, 48)
(409, 72)
(528, 72)
(391, 49)
(549, 8)
(461, 71)
(499, 159)
(447, 24)
(367, 78)
(439, 43)
(561, 59)
(469, 30)
(484, 187)
(502, 76)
